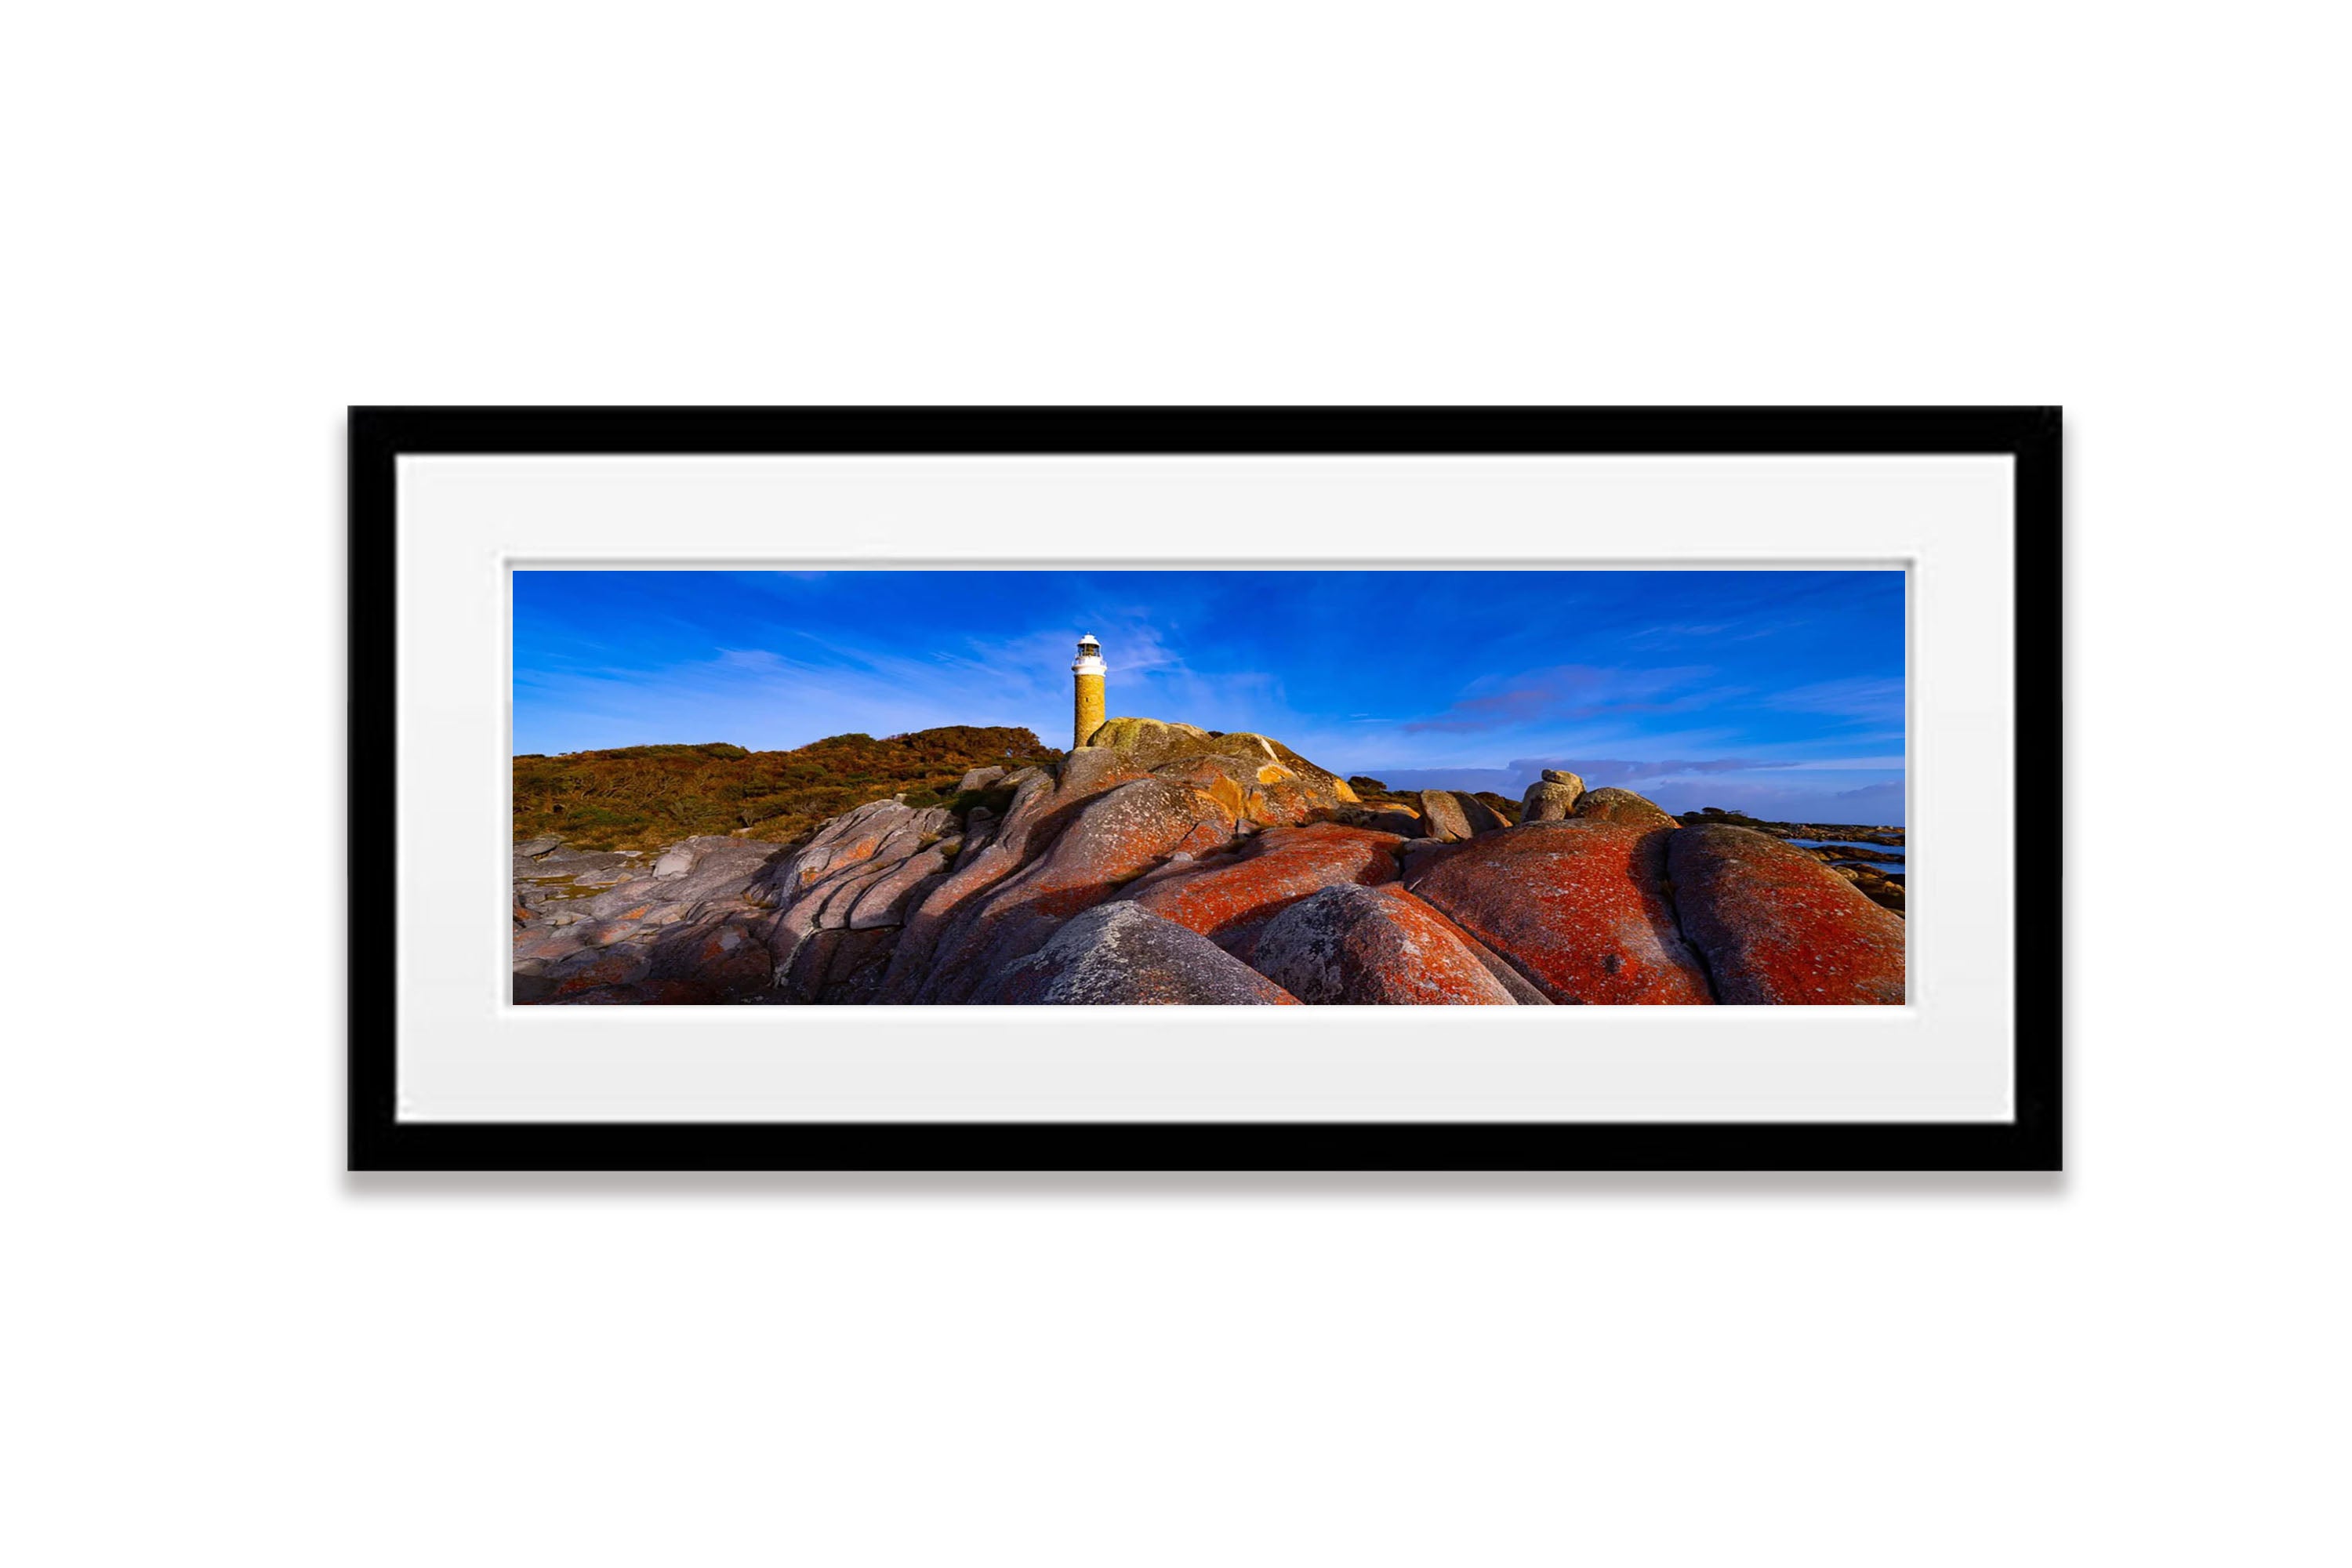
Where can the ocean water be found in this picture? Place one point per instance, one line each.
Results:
(1892, 868)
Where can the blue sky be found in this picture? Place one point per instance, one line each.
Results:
(1776, 692)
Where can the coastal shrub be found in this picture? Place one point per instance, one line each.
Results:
(643, 797)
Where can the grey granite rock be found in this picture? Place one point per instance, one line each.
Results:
(1121, 954)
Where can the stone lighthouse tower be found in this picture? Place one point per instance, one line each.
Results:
(1087, 673)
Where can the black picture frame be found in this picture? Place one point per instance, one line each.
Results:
(380, 1141)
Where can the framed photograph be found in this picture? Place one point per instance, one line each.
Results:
(1205, 789)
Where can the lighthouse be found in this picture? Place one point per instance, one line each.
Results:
(1086, 674)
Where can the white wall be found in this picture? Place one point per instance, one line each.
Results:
(229, 221)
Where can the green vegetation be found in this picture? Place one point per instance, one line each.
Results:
(642, 797)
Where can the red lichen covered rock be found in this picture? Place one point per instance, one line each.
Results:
(1117, 837)
(1353, 944)
(1777, 926)
(1090, 770)
(1521, 990)
(1281, 866)
(1579, 908)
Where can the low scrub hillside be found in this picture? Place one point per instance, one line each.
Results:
(643, 797)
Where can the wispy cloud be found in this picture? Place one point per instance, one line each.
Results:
(1566, 693)
(1853, 701)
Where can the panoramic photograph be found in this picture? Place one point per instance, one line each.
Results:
(1527, 789)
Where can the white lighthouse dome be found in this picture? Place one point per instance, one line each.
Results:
(1089, 660)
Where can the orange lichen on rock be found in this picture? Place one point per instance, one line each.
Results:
(1277, 868)
(1580, 907)
(1777, 926)
(1212, 774)
(1285, 803)
(1150, 743)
